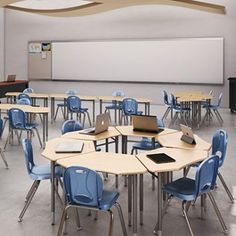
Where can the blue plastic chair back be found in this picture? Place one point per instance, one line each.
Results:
(24, 101)
(28, 90)
(1, 127)
(130, 106)
(17, 118)
(28, 151)
(25, 96)
(206, 174)
(173, 101)
(118, 93)
(71, 92)
(83, 186)
(166, 99)
(70, 126)
(219, 145)
(73, 103)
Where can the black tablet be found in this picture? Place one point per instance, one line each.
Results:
(160, 158)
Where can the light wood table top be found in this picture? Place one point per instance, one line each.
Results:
(173, 140)
(50, 154)
(195, 96)
(183, 158)
(64, 95)
(33, 95)
(111, 132)
(113, 163)
(25, 108)
(120, 99)
(128, 131)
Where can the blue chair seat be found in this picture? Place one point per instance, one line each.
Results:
(30, 126)
(183, 188)
(108, 200)
(43, 172)
(145, 144)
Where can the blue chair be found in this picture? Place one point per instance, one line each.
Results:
(24, 101)
(219, 147)
(188, 190)
(28, 90)
(18, 121)
(36, 173)
(74, 106)
(114, 104)
(70, 126)
(129, 108)
(213, 107)
(146, 143)
(84, 189)
(181, 113)
(25, 96)
(168, 104)
(62, 105)
(1, 151)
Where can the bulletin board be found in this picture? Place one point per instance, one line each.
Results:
(40, 60)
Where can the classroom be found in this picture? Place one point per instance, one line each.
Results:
(126, 109)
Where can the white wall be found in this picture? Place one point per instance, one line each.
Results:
(154, 21)
(1, 44)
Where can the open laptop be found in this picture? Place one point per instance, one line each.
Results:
(188, 135)
(11, 78)
(69, 147)
(102, 124)
(146, 124)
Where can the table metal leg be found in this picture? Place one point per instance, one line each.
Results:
(135, 203)
(100, 106)
(158, 228)
(141, 199)
(52, 109)
(93, 111)
(130, 180)
(53, 191)
(44, 129)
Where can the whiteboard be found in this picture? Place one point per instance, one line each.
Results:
(190, 60)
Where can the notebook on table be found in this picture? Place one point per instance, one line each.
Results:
(102, 124)
(70, 147)
(160, 158)
(146, 124)
(188, 135)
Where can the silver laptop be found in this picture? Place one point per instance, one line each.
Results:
(146, 124)
(70, 147)
(102, 124)
(188, 135)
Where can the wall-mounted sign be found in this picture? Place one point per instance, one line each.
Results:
(35, 47)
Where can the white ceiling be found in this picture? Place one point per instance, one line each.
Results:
(49, 4)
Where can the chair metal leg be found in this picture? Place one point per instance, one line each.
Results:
(226, 187)
(111, 223)
(90, 123)
(186, 217)
(3, 158)
(36, 185)
(54, 118)
(166, 113)
(122, 222)
(30, 191)
(63, 217)
(7, 140)
(77, 219)
(212, 199)
(40, 142)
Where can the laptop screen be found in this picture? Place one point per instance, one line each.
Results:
(145, 123)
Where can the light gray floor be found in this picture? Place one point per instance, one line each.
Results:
(15, 183)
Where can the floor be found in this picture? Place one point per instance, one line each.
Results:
(15, 183)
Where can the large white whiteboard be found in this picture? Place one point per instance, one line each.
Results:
(190, 60)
